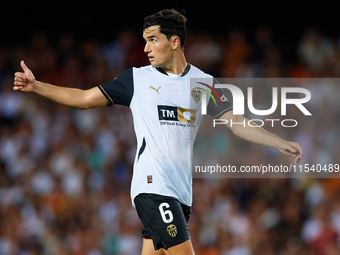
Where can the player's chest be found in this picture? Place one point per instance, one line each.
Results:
(155, 92)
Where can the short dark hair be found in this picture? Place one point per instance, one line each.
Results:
(171, 23)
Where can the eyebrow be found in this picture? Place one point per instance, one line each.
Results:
(151, 37)
(148, 31)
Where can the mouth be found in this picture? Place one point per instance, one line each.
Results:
(151, 58)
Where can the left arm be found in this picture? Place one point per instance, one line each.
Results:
(261, 136)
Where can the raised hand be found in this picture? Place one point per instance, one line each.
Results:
(24, 81)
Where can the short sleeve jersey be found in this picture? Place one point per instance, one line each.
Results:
(166, 111)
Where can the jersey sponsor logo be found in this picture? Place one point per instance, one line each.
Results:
(152, 87)
(172, 230)
(149, 177)
(172, 113)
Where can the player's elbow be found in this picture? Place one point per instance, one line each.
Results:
(85, 104)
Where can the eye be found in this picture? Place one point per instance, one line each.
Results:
(154, 40)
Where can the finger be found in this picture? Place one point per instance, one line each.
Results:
(17, 88)
(19, 79)
(19, 83)
(20, 75)
(292, 148)
(288, 153)
(23, 66)
(299, 153)
(298, 148)
(297, 160)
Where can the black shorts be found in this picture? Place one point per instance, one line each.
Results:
(164, 219)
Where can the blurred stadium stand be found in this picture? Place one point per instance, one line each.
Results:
(65, 174)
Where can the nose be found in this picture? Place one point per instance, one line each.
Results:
(147, 48)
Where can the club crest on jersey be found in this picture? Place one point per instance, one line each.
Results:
(196, 94)
(172, 230)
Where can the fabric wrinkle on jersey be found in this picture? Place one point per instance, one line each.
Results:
(166, 119)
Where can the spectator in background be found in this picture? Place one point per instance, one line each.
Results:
(235, 53)
(316, 51)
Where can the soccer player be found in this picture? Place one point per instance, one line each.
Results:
(166, 118)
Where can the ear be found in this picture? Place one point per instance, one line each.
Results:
(175, 42)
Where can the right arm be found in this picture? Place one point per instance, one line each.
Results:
(71, 97)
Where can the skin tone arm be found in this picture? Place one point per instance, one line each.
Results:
(261, 136)
(71, 97)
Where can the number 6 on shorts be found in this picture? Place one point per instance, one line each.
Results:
(165, 213)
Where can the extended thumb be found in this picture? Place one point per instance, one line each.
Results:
(23, 65)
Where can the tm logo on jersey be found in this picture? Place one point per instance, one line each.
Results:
(169, 115)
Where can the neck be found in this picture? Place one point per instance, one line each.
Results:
(177, 65)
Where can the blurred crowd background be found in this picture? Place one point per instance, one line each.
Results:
(65, 174)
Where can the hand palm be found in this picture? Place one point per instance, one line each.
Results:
(30, 79)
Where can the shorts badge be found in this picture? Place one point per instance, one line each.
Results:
(172, 230)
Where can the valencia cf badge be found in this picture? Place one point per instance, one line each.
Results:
(149, 178)
(172, 230)
(196, 94)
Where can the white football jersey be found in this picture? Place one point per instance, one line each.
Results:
(166, 112)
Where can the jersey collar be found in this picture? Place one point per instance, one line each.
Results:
(186, 70)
